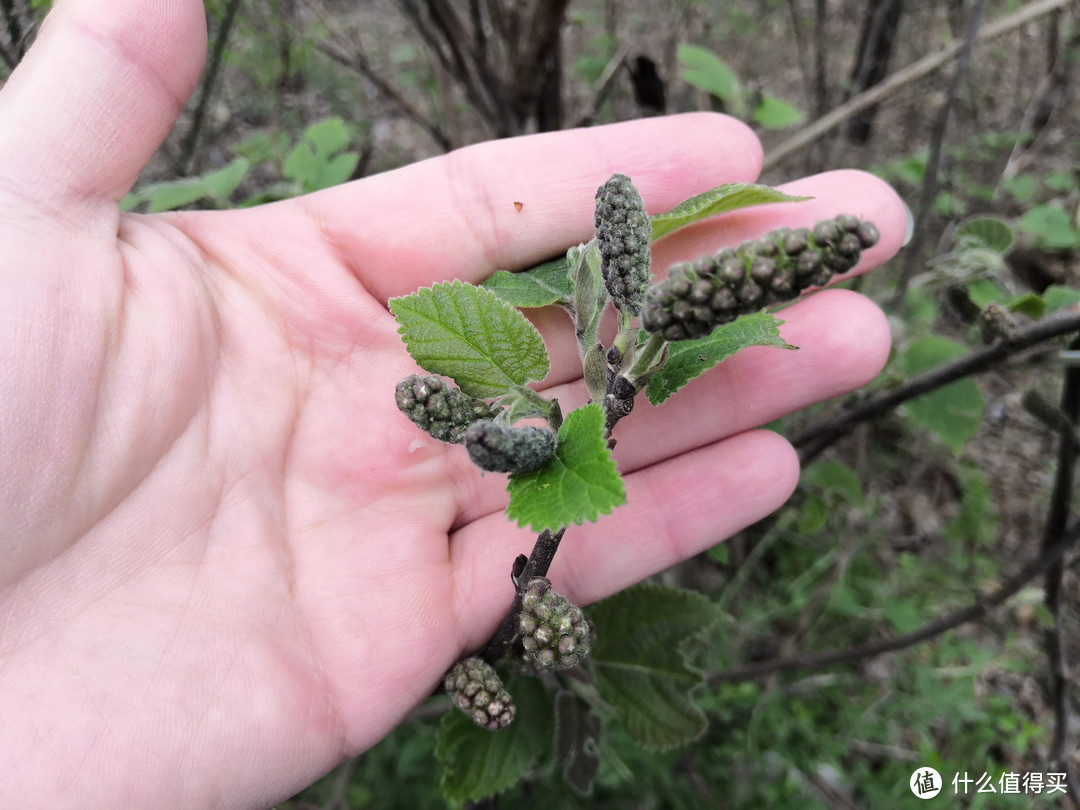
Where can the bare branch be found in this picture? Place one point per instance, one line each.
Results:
(932, 176)
(603, 85)
(903, 77)
(543, 31)
(1057, 519)
(359, 62)
(973, 612)
(823, 433)
(206, 87)
(452, 43)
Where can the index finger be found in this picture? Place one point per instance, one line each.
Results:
(508, 204)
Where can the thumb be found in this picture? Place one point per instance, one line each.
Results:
(94, 97)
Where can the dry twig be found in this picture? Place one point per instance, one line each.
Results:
(903, 77)
(821, 434)
(979, 609)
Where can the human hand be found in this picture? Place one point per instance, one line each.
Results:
(229, 562)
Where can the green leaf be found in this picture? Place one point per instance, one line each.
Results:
(521, 402)
(903, 615)
(1061, 182)
(772, 113)
(720, 553)
(639, 664)
(978, 518)
(478, 763)
(314, 162)
(692, 358)
(337, 170)
(706, 71)
(579, 484)
(466, 333)
(813, 515)
(577, 741)
(835, 477)
(991, 232)
(1022, 187)
(728, 197)
(1058, 297)
(1052, 227)
(301, 164)
(261, 146)
(1030, 304)
(983, 291)
(168, 196)
(590, 294)
(954, 411)
(539, 286)
(328, 136)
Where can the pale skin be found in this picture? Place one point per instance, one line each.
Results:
(227, 560)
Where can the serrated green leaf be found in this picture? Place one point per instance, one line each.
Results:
(728, 197)
(773, 113)
(706, 71)
(478, 763)
(990, 231)
(954, 411)
(468, 334)
(639, 665)
(579, 484)
(539, 286)
(692, 358)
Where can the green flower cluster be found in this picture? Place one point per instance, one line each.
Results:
(437, 407)
(477, 690)
(714, 290)
(623, 233)
(554, 631)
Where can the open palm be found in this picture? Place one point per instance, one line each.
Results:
(228, 561)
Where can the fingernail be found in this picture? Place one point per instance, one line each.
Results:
(909, 230)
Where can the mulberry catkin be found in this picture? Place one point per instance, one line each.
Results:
(623, 233)
(496, 447)
(554, 631)
(477, 690)
(697, 297)
(437, 407)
